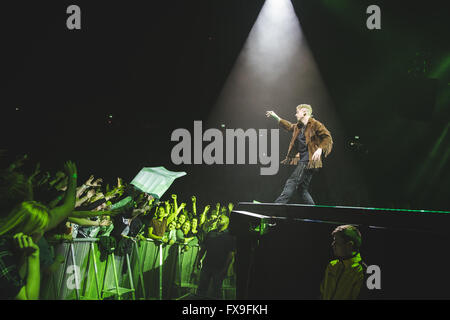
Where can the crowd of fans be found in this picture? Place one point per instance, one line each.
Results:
(40, 209)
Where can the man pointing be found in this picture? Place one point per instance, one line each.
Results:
(310, 140)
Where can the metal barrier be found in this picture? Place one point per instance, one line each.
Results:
(152, 271)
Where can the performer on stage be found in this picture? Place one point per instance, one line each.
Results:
(310, 139)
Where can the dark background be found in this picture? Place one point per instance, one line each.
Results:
(160, 65)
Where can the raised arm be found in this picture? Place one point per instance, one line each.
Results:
(175, 204)
(203, 215)
(281, 122)
(52, 204)
(19, 162)
(83, 222)
(89, 223)
(272, 115)
(60, 213)
(84, 186)
(88, 196)
(174, 214)
(33, 275)
(35, 173)
(168, 206)
(91, 214)
(230, 208)
(194, 205)
(218, 208)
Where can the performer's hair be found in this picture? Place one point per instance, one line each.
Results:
(349, 233)
(305, 106)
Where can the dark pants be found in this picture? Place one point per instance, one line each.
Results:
(299, 179)
(208, 276)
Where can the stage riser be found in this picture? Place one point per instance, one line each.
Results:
(422, 221)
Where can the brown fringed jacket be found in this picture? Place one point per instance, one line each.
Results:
(317, 136)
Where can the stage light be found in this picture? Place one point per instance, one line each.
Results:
(277, 71)
(357, 146)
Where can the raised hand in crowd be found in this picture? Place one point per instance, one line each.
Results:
(230, 208)
(35, 172)
(25, 244)
(87, 197)
(194, 205)
(90, 223)
(84, 186)
(175, 204)
(30, 250)
(223, 211)
(104, 223)
(59, 175)
(89, 180)
(91, 183)
(97, 196)
(203, 215)
(182, 209)
(61, 212)
(91, 193)
(97, 183)
(168, 206)
(18, 163)
(60, 237)
(44, 178)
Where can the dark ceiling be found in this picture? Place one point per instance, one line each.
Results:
(109, 95)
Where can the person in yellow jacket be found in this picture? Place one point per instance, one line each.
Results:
(344, 276)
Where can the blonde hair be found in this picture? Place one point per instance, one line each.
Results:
(28, 217)
(305, 106)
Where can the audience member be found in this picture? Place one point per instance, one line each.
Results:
(344, 276)
(41, 203)
(20, 230)
(217, 253)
